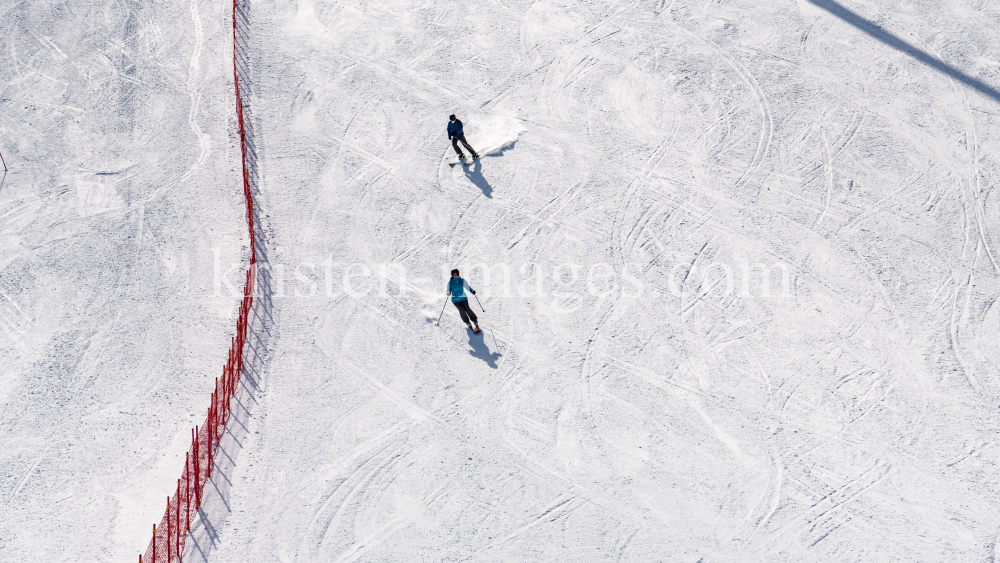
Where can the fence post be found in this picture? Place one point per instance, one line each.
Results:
(232, 387)
(168, 530)
(154, 543)
(215, 431)
(216, 406)
(177, 514)
(213, 414)
(229, 383)
(211, 437)
(187, 491)
(197, 472)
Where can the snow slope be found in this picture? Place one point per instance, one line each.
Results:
(624, 402)
(116, 122)
(648, 147)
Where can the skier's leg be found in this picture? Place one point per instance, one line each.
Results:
(468, 313)
(468, 146)
(462, 307)
(454, 143)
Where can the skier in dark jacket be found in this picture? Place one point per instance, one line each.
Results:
(456, 134)
(456, 289)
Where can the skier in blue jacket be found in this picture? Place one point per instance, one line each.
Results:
(456, 134)
(456, 289)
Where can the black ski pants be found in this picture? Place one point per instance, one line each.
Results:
(454, 143)
(466, 311)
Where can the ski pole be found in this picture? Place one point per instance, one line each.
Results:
(4, 162)
(477, 301)
(442, 310)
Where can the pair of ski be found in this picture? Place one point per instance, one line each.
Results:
(463, 161)
(475, 330)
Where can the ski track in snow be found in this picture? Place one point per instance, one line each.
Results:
(687, 424)
(113, 332)
(845, 417)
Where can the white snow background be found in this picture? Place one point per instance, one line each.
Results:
(116, 120)
(853, 418)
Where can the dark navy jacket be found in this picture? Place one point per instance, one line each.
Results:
(455, 128)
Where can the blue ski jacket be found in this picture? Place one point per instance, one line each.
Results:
(455, 128)
(456, 288)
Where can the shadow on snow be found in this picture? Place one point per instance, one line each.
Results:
(475, 175)
(876, 31)
(481, 351)
(475, 172)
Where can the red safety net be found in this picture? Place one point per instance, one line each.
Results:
(167, 544)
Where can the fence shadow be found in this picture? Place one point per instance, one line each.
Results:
(877, 32)
(215, 508)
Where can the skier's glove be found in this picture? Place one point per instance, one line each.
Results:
(473, 291)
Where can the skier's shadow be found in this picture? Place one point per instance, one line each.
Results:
(481, 351)
(475, 174)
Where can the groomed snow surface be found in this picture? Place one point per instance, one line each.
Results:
(640, 393)
(115, 121)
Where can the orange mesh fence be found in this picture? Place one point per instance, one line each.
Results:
(167, 543)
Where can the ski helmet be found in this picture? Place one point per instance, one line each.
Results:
(454, 272)
(452, 117)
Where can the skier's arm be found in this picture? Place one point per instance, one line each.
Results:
(469, 287)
